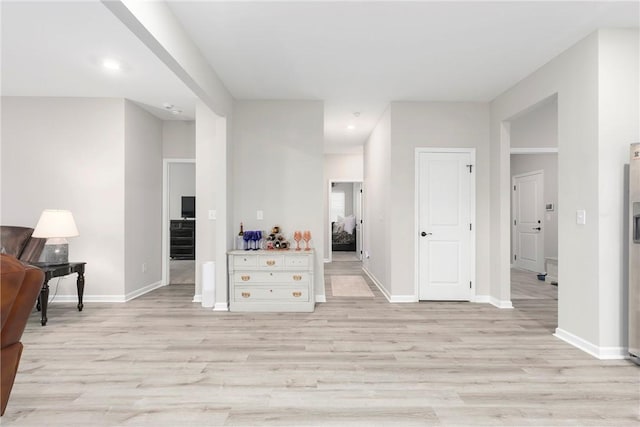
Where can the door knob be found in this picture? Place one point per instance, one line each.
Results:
(537, 228)
(423, 234)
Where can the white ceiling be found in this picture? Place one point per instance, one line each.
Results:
(355, 56)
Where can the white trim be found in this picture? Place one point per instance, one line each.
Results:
(472, 215)
(500, 303)
(321, 298)
(534, 150)
(327, 260)
(482, 299)
(391, 298)
(221, 306)
(197, 298)
(165, 215)
(108, 298)
(87, 298)
(378, 284)
(402, 299)
(602, 353)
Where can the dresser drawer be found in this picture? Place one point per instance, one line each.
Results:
(271, 277)
(270, 261)
(297, 261)
(266, 293)
(245, 261)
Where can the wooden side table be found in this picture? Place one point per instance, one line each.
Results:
(51, 271)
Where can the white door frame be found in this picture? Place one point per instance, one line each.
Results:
(330, 231)
(472, 215)
(513, 212)
(166, 215)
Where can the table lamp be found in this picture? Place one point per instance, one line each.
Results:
(55, 226)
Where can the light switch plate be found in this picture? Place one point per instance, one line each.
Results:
(212, 214)
(259, 214)
(581, 217)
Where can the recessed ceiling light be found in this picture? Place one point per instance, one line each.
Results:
(351, 127)
(111, 64)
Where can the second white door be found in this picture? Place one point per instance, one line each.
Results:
(445, 230)
(528, 212)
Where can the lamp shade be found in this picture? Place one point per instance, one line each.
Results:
(55, 223)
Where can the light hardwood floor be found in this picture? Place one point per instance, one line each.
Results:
(161, 360)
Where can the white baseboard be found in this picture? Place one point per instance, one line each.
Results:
(500, 303)
(86, 298)
(197, 298)
(321, 298)
(327, 260)
(484, 299)
(602, 353)
(389, 297)
(142, 291)
(378, 284)
(107, 298)
(402, 298)
(221, 306)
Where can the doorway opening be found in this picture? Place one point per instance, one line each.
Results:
(533, 137)
(178, 222)
(345, 221)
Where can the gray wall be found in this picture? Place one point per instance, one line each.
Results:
(278, 168)
(143, 199)
(179, 139)
(182, 182)
(68, 153)
(597, 85)
(389, 215)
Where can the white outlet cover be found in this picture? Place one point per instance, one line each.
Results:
(259, 214)
(212, 214)
(581, 217)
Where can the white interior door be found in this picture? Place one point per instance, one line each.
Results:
(528, 212)
(446, 198)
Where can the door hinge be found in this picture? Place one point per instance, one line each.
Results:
(515, 257)
(469, 284)
(514, 188)
(470, 168)
(470, 227)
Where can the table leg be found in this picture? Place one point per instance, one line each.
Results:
(80, 285)
(44, 300)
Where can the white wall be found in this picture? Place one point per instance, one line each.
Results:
(537, 128)
(143, 200)
(278, 168)
(434, 124)
(179, 139)
(68, 153)
(338, 167)
(182, 182)
(523, 163)
(596, 82)
(376, 204)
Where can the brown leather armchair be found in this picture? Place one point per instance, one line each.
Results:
(20, 286)
(17, 241)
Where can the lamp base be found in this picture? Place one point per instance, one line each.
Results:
(55, 254)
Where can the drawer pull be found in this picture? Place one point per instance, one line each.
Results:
(271, 262)
(297, 277)
(246, 294)
(297, 294)
(245, 278)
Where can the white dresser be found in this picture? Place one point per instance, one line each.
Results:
(271, 280)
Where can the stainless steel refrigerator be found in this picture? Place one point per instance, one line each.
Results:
(634, 254)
